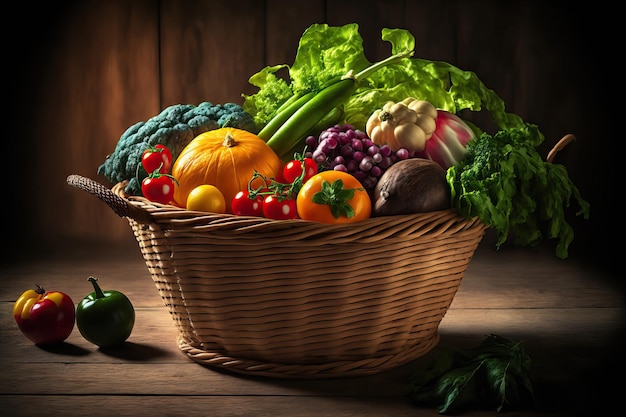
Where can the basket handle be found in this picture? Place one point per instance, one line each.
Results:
(565, 140)
(120, 206)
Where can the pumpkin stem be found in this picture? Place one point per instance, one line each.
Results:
(229, 141)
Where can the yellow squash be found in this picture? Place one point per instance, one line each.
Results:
(407, 124)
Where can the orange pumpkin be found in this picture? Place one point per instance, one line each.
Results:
(225, 158)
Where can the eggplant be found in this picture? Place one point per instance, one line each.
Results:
(414, 185)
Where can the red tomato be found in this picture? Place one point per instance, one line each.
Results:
(44, 317)
(293, 169)
(157, 157)
(279, 177)
(279, 208)
(243, 205)
(158, 188)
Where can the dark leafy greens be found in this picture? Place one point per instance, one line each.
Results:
(504, 182)
(494, 374)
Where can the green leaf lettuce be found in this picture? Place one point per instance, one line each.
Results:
(326, 52)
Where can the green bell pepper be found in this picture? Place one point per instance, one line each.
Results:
(105, 318)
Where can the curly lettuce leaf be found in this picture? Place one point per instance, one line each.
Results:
(273, 91)
(325, 52)
(444, 85)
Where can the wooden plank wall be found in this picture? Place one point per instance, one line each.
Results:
(82, 72)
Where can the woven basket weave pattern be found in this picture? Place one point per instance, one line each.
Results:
(307, 294)
(298, 299)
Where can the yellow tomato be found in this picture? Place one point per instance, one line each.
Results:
(206, 197)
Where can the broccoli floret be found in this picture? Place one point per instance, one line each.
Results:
(174, 127)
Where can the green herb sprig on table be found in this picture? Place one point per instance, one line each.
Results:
(495, 373)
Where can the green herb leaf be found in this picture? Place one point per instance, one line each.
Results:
(336, 197)
(495, 373)
(460, 388)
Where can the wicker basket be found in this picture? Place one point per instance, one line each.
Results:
(299, 299)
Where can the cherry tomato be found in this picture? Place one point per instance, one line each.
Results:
(158, 188)
(293, 169)
(45, 317)
(280, 177)
(157, 157)
(243, 205)
(206, 197)
(333, 197)
(279, 208)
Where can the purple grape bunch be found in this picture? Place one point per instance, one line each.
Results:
(344, 148)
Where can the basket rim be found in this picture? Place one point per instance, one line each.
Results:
(157, 211)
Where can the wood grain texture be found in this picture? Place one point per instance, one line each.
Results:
(286, 21)
(371, 17)
(97, 76)
(89, 70)
(569, 318)
(209, 49)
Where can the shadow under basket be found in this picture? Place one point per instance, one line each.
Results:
(299, 299)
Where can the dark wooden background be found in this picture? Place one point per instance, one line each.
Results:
(77, 74)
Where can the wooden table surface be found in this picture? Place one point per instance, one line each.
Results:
(568, 315)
